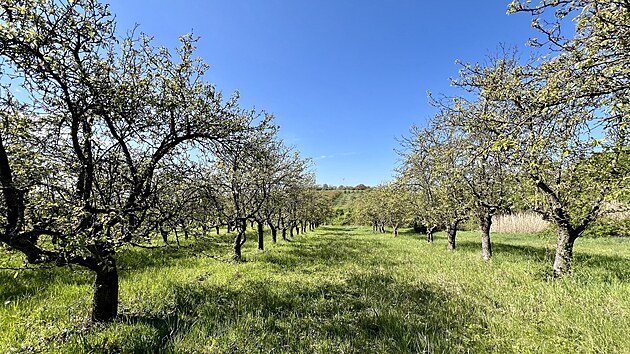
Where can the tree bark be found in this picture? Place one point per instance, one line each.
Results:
(430, 234)
(105, 301)
(261, 234)
(284, 234)
(239, 239)
(564, 250)
(274, 233)
(395, 232)
(218, 229)
(451, 233)
(290, 231)
(485, 221)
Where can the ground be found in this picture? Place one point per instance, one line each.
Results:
(339, 290)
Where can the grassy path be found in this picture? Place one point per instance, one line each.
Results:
(340, 290)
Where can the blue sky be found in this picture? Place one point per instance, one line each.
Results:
(343, 78)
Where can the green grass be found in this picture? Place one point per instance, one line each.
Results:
(346, 198)
(340, 290)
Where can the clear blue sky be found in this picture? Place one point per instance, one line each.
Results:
(344, 78)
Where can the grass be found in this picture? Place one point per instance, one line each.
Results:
(346, 198)
(339, 290)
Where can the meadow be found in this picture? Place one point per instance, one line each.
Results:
(335, 290)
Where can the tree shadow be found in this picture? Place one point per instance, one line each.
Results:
(367, 312)
(330, 251)
(607, 267)
(36, 281)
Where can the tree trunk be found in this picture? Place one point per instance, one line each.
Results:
(229, 227)
(430, 234)
(290, 231)
(451, 233)
(274, 233)
(239, 240)
(164, 235)
(261, 234)
(395, 232)
(105, 301)
(297, 229)
(485, 221)
(564, 250)
(218, 230)
(284, 234)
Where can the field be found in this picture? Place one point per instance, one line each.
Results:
(339, 290)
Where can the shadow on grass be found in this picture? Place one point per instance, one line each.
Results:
(608, 266)
(138, 259)
(330, 246)
(364, 311)
(368, 312)
(36, 281)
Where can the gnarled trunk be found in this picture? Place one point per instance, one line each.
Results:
(564, 250)
(485, 222)
(239, 239)
(105, 300)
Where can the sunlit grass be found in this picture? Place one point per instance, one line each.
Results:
(341, 289)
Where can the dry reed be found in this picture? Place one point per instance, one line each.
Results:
(521, 222)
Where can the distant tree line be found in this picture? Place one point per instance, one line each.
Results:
(358, 187)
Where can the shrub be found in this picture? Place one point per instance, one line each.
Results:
(608, 228)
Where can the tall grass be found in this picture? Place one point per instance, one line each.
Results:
(338, 290)
(520, 223)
